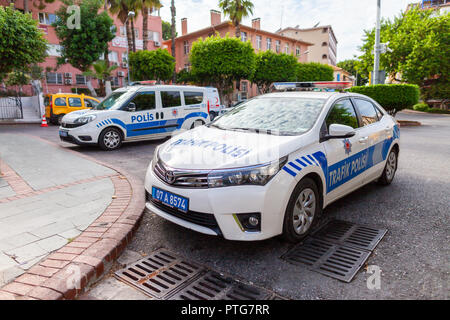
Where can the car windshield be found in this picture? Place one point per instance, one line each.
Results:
(284, 116)
(114, 100)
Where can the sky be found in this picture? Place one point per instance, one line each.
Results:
(347, 17)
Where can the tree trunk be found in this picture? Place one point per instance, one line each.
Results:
(145, 27)
(129, 37)
(133, 35)
(108, 87)
(26, 8)
(238, 30)
(173, 12)
(101, 87)
(91, 88)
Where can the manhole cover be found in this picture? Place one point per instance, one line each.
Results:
(214, 286)
(338, 249)
(350, 234)
(159, 273)
(325, 257)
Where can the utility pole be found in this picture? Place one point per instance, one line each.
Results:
(173, 12)
(376, 67)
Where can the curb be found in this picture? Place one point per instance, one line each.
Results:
(69, 271)
(408, 123)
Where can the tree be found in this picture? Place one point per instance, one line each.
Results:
(121, 9)
(350, 66)
(151, 65)
(419, 44)
(272, 67)
(236, 10)
(82, 47)
(167, 30)
(21, 42)
(314, 71)
(172, 36)
(146, 6)
(220, 61)
(102, 72)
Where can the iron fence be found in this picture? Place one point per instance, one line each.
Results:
(10, 107)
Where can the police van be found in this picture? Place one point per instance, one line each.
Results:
(139, 113)
(272, 164)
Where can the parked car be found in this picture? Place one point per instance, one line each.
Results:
(137, 113)
(59, 104)
(272, 164)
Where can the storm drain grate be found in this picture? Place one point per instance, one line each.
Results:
(214, 286)
(338, 249)
(350, 234)
(159, 273)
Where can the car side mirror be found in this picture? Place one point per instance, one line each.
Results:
(131, 107)
(339, 131)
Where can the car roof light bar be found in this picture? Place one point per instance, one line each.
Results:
(311, 86)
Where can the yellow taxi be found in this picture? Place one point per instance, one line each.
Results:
(59, 104)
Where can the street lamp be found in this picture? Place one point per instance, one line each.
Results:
(131, 14)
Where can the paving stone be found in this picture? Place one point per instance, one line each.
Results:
(52, 243)
(19, 240)
(6, 191)
(112, 289)
(70, 234)
(27, 253)
(52, 229)
(128, 257)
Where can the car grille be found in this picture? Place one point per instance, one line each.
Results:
(203, 219)
(179, 178)
(71, 125)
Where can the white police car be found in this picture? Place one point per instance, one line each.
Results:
(270, 165)
(138, 113)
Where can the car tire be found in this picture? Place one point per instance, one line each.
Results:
(59, 119)
(52, 118)
(110, 139)
(303, 211)
(389, 169)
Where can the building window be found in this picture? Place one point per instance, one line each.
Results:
(54, 78)
(186, 47)
(244, 86)
(324, 56)
(123, 31)
(124, 57)
(286, 48)
(269, 44)
(187, 67)
(80, 79)
(277, 46)
(115, 81)
(258, 42)
(324, 30)
(47, 18)
(297, 51)
(324, 44)
(243, 36)
(113, 57)
(54, 50)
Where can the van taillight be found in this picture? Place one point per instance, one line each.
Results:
(208, 106)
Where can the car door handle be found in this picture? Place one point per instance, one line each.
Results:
(363, 140)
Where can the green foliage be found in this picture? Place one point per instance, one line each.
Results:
(419, 44)
(82, 47)
(350, 65)
(186, 77)
(421, 107)
(272, 67)
(17, 78)
(314, 71)
(21, 42)
(167, 30)
(220, 61)
(393, 97)
(102, 72)
(236, 10)
(151, 65)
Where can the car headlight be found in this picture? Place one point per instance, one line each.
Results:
(155, 157)
(85, 119)
(255, 175)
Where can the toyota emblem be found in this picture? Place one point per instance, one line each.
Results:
(170, 177)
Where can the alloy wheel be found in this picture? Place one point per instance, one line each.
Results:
(304, 209)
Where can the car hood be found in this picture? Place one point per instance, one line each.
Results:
(71, 116)
(205, 148)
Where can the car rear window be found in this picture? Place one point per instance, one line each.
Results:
(191, 97)
(170, 99)
(60, 102)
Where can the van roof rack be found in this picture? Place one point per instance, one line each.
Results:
(327, 86)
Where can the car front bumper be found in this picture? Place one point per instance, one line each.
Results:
(82, 135)
(212, 210)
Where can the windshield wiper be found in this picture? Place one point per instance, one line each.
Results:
(268, 131)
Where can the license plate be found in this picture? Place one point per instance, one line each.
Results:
(169, 199)
(63, 133)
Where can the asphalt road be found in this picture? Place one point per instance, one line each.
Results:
(414, 255)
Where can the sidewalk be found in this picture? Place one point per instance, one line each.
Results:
(59, 209)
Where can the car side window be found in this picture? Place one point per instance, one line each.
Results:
(75, 102)
(191, 97)
(60, 102)
(90, 103)
(367, 111)
(145, 101)
(170, 99)
(342, 113)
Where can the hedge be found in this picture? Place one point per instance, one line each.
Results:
(393, 97)
(314, 71)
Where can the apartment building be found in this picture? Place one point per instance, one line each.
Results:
(67, 78)
(324, 48)
(261, 40)
(443, 6)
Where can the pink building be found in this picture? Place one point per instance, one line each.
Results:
(261, 41)
(67, 77)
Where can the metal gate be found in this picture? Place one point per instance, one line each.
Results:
(10, 108)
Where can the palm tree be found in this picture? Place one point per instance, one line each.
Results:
(121, 9)
(236, 10)
(173, 12)
(147, 4)
(102, 72)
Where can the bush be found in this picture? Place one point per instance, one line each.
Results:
(393, 97)
(151, 65)
(421, 107)
(314, 71)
